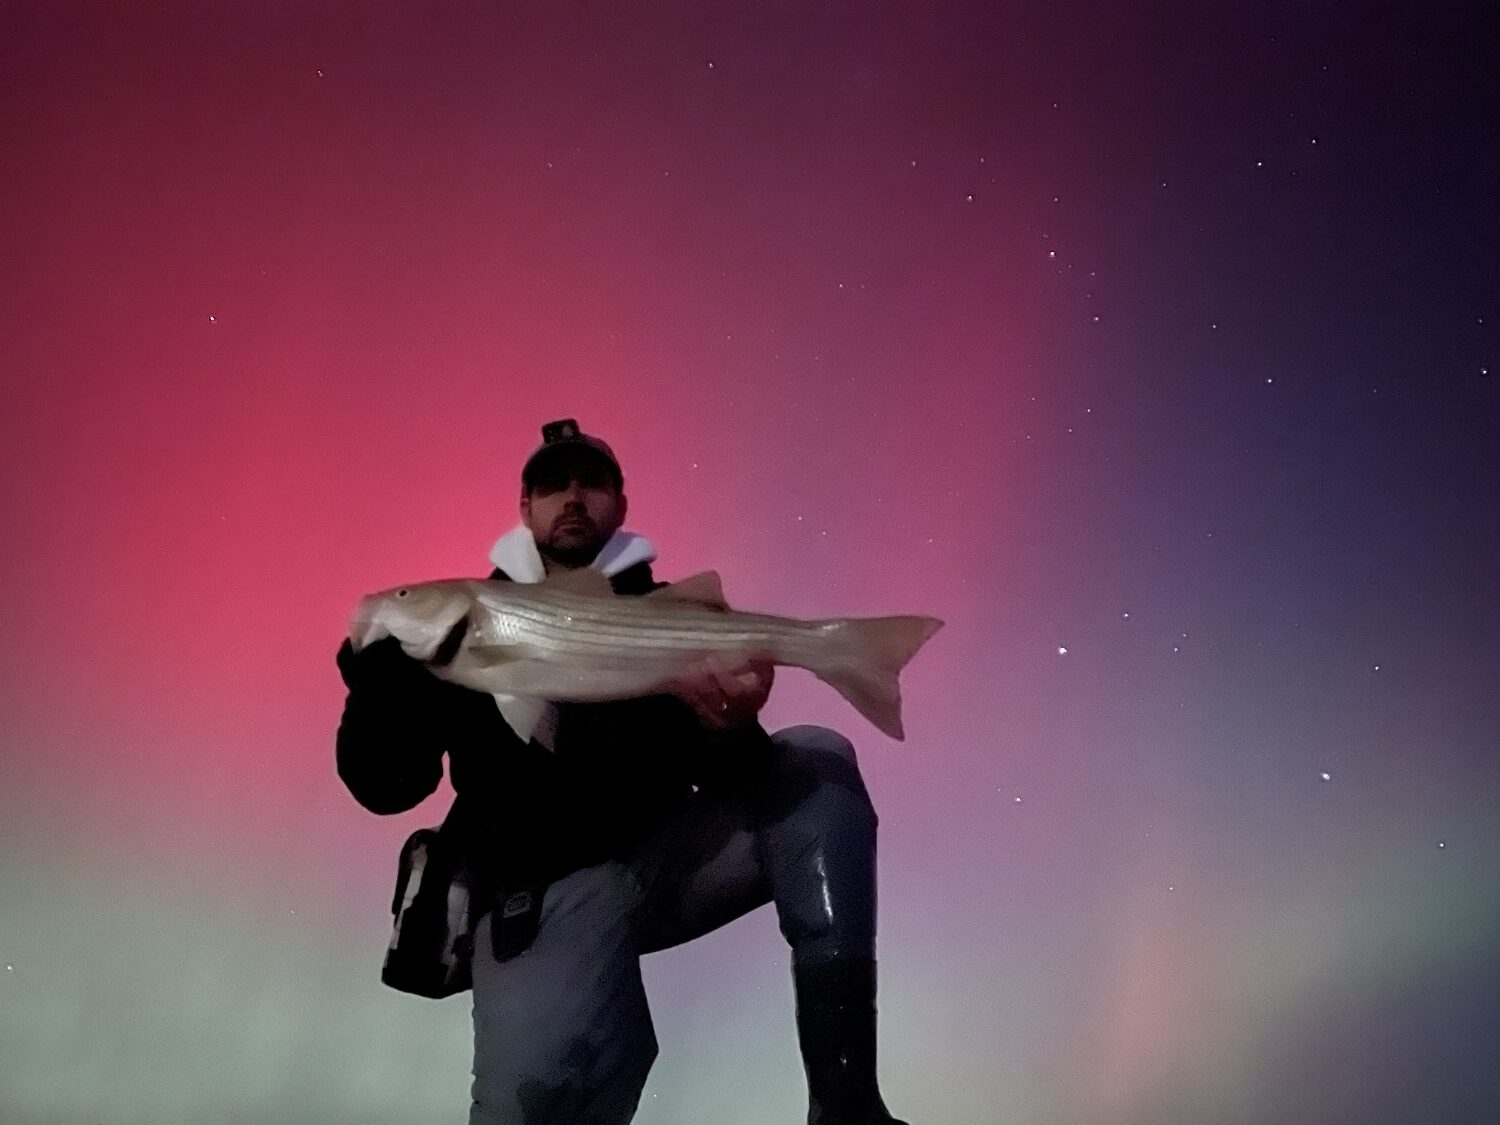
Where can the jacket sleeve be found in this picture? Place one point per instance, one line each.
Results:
(730, 758)
(717, 759)
(394, 729)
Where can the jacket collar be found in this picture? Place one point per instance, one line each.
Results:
(515, 553)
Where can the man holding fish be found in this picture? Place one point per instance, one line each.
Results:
(617, 795)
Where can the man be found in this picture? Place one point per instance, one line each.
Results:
(618, 829)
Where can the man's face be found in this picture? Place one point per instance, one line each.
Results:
(572, 508)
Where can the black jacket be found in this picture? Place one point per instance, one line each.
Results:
(522, 814)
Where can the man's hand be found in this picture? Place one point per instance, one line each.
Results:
(725, 697)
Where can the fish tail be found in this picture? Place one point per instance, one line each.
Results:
(863, 661)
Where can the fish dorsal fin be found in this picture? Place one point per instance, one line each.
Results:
(699, 589)
(584, 581)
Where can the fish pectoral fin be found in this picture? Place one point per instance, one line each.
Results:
(703, 589)
(585, 581)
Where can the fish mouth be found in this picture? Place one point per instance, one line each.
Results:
(365, 627)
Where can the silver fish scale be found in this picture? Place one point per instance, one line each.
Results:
(583, 626)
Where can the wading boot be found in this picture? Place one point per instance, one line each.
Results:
(836, 1031)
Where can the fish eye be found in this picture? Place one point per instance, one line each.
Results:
(401, 593)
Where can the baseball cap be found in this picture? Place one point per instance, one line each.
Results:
(562, 437)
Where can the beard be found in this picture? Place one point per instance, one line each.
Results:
(573, 546)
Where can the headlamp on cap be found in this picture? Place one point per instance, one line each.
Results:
(565, 430)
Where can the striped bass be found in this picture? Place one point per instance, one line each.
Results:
(571, 638)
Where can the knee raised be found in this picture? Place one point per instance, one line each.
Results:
(813, 756)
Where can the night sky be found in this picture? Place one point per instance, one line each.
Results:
(1153, 347)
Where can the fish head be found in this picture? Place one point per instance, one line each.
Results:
(418, 615)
